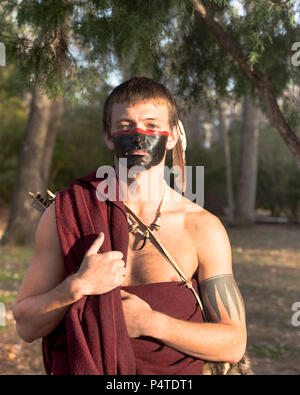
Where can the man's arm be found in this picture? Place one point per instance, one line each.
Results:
(46, 294)
(223, 339)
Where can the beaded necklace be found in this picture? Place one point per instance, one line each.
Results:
(134, 228)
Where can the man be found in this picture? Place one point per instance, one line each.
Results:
(70, 293)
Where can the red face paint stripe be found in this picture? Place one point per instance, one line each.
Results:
(141, 131)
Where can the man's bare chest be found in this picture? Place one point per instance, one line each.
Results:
(149, 265)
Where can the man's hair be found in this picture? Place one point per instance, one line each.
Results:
(136, 90)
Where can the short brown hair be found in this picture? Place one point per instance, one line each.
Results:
(139, 89)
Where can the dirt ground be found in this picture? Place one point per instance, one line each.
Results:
(266, 261)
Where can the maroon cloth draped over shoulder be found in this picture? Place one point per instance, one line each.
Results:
(92, 338)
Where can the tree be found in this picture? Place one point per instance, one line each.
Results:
(43, 45)
(37, 149)
(29, 175)
(261, 81)
(186, 39)
(13, 115)
(255, 45)
(246, 195)
(227, 153)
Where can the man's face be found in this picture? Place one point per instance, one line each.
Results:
(140, 132)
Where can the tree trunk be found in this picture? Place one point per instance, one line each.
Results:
(229, 187)
(258, 78)
(23, 218)
(33, 170)
(54, 119)
(245, 210)
(37, 150)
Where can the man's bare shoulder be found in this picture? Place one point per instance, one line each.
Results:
(48, 215)
(46, 230)
(196, 216)
(199, 219)
(210, 239)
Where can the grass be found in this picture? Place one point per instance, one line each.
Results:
(266, 262)
(16, 356)
(271, 351)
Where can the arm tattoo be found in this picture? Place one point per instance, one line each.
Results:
(224, 287)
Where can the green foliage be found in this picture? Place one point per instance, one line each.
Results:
(265, 33)
(39, 43)
(278, 184)
(13, 115)
(197, 63)
(278, 187)
(129, 32)
(79, 145)
(161, 39)
(214, 174)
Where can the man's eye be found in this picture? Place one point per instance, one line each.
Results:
(152, 126)
(124, 127)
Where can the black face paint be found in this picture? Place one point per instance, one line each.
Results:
(127, 143)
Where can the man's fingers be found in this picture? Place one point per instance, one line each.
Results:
(114, 255)
(123, 272)
(124, 294)
(94, 248)
(119, 263)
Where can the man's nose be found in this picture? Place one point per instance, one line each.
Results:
(139, 139)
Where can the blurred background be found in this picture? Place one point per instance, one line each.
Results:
(234, 69)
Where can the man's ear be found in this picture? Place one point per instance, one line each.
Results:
(172, 139)
(109, 142)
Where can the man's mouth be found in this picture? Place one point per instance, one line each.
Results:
(137, 152)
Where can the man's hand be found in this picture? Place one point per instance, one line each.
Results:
(137, 314)
(100, 272)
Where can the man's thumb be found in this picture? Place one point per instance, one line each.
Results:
(97, 243)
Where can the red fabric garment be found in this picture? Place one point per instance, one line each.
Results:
(151, 355)
(92, 338)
